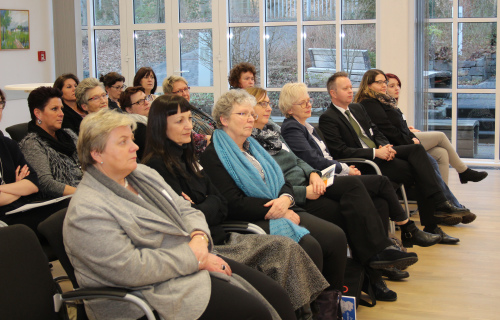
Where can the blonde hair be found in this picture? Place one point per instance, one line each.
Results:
(259, 93)
(95, 130)
(289, 95)
(168, 83)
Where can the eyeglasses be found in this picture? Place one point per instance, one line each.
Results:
(247, 115)
(102, 96)
(181, 91)
(123, 87)
(149, 77)
(2, 105)
(264, 104)
(304, 104)
(381, 82)
(141, 102)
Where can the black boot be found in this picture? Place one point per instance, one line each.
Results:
(472, 175)
(411, 235)
(328, 303)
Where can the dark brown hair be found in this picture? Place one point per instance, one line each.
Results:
(39, 98)
(144, 72)
(111, 78)
(364, 91)
(125, 100)
(157, 142)
(237, 70)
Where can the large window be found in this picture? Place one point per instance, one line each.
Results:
(460, 72)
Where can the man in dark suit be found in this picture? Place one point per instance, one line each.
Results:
(349, 133)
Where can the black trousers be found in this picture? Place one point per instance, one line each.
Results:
(229, 302)
(326, 245)
(411, 166)
(357, 216)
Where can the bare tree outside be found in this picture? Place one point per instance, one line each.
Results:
(106, 12)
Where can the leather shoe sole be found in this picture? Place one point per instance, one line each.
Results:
(468, 218)
(449, 220)
(392, 258)
(394, 274)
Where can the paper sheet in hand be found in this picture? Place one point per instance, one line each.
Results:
(328, 175)
(30, 206)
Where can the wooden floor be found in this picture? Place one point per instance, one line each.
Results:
(454, 281)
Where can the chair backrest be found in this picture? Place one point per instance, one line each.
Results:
(26, 284)
(18, 131)
(51, 229)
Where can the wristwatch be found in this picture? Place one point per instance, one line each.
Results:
(292, 200)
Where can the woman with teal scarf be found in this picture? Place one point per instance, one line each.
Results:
(256, 190)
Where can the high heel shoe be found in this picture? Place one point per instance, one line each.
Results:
(472, 175)
(411, 235)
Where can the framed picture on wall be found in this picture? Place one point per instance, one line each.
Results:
(15, 29)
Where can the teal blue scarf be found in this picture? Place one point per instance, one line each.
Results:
(248, 179)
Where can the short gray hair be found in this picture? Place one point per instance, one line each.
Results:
(168, 83)
(289, 95)
(94, 133)
(226, 102)
(83, 87)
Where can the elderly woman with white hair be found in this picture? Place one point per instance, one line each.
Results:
(137, 233)
(91, 95)
(203, 124)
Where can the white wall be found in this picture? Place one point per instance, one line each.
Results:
(22, 66)
(395, 47)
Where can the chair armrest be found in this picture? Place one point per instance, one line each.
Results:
(365, 161)
(242, 227)
(103, 293)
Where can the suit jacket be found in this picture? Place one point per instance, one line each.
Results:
(340, 137)
(241, 207)
(303, 145)
(112, 241)
(389, 121)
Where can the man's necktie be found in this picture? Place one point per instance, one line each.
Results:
(356, 127)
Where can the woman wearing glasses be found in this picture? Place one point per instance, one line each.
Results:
(136, 104)
(50, 150)
(91, 95)
(114, 85)
(73, 114)
(146, 78)
(203, 124)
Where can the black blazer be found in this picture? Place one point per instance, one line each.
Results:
(303, 145)
(389, 121)
(340, 137)
(241, 207)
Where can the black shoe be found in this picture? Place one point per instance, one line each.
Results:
(392, 257)
(472, 175)
(382, 293)
(411, 235)
(449, 220)
(445, 239)
(394, 274)
(447, 208)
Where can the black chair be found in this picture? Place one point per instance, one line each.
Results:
(18, 131)
(51, 229)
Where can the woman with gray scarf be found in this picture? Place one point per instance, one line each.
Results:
(137, 233)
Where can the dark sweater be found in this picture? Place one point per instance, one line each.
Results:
(71, 119)
(202, 192)
(12, 157)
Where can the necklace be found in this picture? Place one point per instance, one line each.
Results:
(126, 183)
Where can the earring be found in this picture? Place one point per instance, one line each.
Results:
(102, 162)
(39, 121)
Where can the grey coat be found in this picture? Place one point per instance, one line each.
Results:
(54, 169)
(112, 241)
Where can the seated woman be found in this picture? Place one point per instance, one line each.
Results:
(203, 124)
(389, 119)
(156, 244)
(18, 182)
(114, 86)
(436, 143)
(91, 95)
(351, 192)
(242, 76)
(256, 190)
(145, 77)
(170, 151)
(73, 114)
(50, 150)
(136, 104)
(305, 142)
